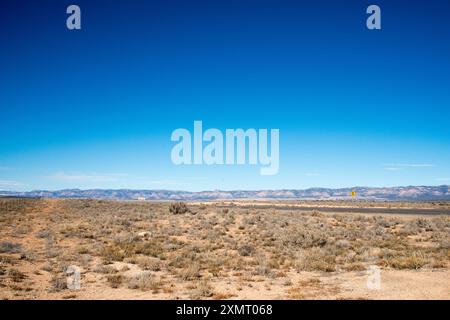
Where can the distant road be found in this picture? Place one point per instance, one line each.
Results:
(412, 211)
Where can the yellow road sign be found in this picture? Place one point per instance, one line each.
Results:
(353, 193)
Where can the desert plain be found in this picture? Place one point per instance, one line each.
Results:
(234, 249)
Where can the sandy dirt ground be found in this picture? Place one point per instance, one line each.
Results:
(141, 250)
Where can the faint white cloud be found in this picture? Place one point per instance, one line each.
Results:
(312, 174)
(442, 179)
(400, 166)
(410, 165)
(10, 184)
(94, 177)
(392, 168)
(195, 178)
(168, 182)
(421, 165)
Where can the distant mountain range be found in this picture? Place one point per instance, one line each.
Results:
(364, 193)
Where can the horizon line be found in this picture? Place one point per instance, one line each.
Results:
(221, 190)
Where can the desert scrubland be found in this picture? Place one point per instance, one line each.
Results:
(222, 250)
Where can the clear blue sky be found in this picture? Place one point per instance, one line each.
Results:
(95, 108)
